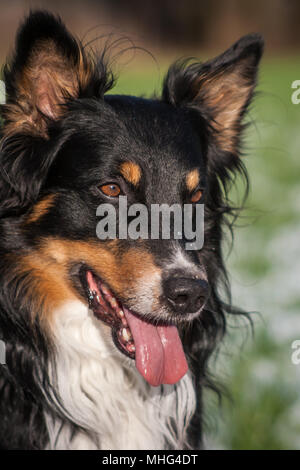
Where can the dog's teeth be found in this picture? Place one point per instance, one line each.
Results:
(98, 299)
(124, 321)
(105, 290)
(121, 313)
(126, 334)
(92, 293)
(113, 302)
(131, 347)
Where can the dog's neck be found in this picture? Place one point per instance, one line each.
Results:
(105, 395)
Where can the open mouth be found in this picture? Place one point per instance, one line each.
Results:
(157, 349)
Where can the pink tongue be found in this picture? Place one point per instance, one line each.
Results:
(159, 355)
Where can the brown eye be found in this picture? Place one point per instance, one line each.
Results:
(111, 190)
(196, 196)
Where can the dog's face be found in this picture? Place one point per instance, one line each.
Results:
(148, 152)
(86, 149)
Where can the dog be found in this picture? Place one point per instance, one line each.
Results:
(108, 340)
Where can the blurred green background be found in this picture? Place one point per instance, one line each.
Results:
(264, 384)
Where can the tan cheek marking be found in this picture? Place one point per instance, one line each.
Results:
(135, 264)
(48, 284)
(131, 172)
(40, 209)
(192, 179)
(48, 270)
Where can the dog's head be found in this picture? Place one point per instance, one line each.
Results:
(68, 148)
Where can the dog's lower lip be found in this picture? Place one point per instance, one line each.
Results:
(109, 310)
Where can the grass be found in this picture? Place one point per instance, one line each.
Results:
(264, 384)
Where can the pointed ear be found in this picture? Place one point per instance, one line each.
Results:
(48, 68)
(220, 89)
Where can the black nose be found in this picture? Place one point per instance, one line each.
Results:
(185, 295)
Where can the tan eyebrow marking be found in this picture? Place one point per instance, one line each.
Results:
(131, 172)
(40, 209)
(192, 179)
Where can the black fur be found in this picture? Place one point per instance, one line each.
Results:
(167, 136)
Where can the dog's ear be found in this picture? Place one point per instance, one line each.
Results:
(48, 68)
(220, 89)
